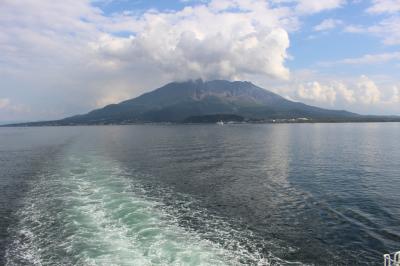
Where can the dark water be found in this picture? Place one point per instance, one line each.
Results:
(318, 194)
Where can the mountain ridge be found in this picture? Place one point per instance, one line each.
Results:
(180, 102)
(176, 101)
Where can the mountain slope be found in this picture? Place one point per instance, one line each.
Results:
(176, 102)
(200, 102)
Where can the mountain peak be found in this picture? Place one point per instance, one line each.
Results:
(205, 101)
(178, 101)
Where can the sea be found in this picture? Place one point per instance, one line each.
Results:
(237, 194)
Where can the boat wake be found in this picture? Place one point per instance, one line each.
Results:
(90, 211)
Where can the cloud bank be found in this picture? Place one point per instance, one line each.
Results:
(361, 94)
(62, 48)
(188, 44)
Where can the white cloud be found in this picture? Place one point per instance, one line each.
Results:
(366, 59)
(368, 92)
(384, 6)
(4, 102)
(354, 29)
(316, 92)
(359, 94)
(186, 44)
(374, 58)
(387, 29)
(324, 92)
(347, 95)
(313, 6)
(395, 99)
(118, 95)
(328, 24)
(9, 110)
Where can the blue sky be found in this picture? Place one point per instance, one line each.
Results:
(59, 58)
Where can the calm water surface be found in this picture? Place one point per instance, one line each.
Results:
(314, 194)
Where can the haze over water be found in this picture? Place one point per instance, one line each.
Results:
(291, 194)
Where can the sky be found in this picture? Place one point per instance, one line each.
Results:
(61, 58)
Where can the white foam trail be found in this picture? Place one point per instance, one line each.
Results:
(89, 213)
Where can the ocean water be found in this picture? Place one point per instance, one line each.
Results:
(289, 194)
